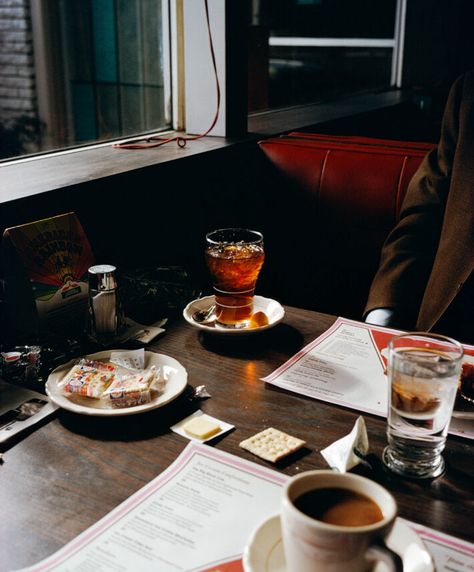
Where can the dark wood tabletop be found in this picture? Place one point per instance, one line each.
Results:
(73, 470)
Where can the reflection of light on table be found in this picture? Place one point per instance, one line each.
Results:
(250, 372)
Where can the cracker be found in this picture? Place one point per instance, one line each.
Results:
(272, 444)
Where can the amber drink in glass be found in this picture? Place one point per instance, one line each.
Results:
(234, 257)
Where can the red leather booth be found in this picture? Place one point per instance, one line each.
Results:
(338, 198)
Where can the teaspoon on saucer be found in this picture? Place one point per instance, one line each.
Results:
(205, 316)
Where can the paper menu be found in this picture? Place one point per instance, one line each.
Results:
(346, 366)
(449, 553)
(342, 366)
(198, 516)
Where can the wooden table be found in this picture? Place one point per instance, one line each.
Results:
(72, 471)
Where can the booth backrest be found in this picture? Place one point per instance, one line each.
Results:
(345, 195)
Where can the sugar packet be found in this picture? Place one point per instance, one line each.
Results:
(349, 451)
(131, 359)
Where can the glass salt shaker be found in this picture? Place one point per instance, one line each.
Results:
(105, 317)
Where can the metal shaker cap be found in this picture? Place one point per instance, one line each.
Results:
(102, 277)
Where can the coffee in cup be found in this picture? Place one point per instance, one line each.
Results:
(342, 507)
(335, 522)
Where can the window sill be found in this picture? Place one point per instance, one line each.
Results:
(297, 118)
(44, 173)
(33, 176)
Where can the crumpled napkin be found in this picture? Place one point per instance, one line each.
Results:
(349, 451)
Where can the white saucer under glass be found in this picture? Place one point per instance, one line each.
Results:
(273, 310)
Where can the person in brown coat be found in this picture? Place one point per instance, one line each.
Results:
(425, 280)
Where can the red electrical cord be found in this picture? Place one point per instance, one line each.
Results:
(181, 140)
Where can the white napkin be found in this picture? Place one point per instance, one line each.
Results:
(347, 452)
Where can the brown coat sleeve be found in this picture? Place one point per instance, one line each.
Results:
(408, 253)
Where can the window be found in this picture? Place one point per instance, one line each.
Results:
(306, 51)
(76, 72)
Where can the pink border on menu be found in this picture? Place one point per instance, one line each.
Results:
(129, 504)
(190, 450)
(303, 352)
(337, 324)
(441, 538)
(333, 400)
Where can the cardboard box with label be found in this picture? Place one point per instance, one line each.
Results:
(45, 269)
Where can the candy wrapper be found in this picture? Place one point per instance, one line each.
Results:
(135, 360)
(89, 378)
(123, 382)
(130, 390)
(200, 392)
(346, 453)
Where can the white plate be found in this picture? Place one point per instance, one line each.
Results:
(464, 409)
(176, 380)
(273, 309)
(264, 552)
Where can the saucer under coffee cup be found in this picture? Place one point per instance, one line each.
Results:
(335, 522)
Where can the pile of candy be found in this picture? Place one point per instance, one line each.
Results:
(116, 386)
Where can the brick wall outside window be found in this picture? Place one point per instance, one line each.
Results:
(17, 73)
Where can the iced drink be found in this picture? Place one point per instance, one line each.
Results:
(234, 258)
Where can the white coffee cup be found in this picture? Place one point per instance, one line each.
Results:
(314, 546)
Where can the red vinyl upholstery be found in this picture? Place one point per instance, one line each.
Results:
(350, 190)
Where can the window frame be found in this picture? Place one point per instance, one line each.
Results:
(54, 98)
(396, 43)
(33, 175)
(48, 67)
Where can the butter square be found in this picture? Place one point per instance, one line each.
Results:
(201, 427)
(187, 427)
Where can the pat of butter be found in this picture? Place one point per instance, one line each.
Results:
(201, 428)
